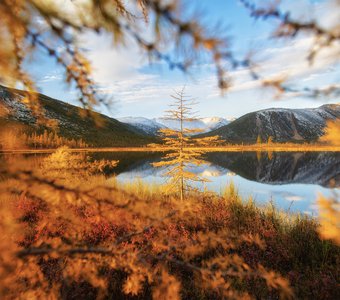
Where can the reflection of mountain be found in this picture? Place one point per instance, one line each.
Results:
(283, 168)
(144, 168)
(138, 164)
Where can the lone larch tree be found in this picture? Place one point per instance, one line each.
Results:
(186, 150)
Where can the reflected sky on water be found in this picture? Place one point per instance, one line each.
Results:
(289, 180)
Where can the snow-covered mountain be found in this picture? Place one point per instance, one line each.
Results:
(151, 126)
(203, 124)
(282, 124)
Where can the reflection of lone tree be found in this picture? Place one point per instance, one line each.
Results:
(186, 151)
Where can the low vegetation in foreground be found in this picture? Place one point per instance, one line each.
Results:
(69, 232)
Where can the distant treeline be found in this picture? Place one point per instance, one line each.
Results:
(17, 138)
(50, 139)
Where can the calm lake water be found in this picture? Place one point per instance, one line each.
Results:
(291, 181)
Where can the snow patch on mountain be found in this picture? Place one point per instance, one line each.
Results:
(146, 125)
(12, 104)
(281, 124)
(151, 126)
(203, 124)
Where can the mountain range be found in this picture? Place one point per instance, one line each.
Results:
(71, 124)
(322, 168)
(282, 125)
(152, 126)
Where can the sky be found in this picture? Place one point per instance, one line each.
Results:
(140, 88)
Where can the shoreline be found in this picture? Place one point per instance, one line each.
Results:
(234, 148)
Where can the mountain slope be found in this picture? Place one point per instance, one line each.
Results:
(151, 126)
(283, 125)
(71, 124)
(204, 124)
(148, 126)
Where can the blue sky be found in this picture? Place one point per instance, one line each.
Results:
(139, 88)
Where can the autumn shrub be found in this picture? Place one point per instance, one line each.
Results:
(72, 233)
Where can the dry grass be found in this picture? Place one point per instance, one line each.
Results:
(67, 232)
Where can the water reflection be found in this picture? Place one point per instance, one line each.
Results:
(290, 180)
(321, 168)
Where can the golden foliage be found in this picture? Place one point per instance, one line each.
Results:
(133, 284)
(168, 288)
(62, 160)
(63, 224)
(31, 26)
(329, 210)
(259, 139)
(185, 151)
(50, 139)
(332, 133)
(10, 138)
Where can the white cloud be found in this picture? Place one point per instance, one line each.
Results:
(110, 63)
(119, 72)
(288, 61)
(294, 198)
(53, 76)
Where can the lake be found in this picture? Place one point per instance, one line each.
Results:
(290, 180)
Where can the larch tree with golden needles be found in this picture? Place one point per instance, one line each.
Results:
(28, 27)
(186, 151)
(332, 133)
(73, 236)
